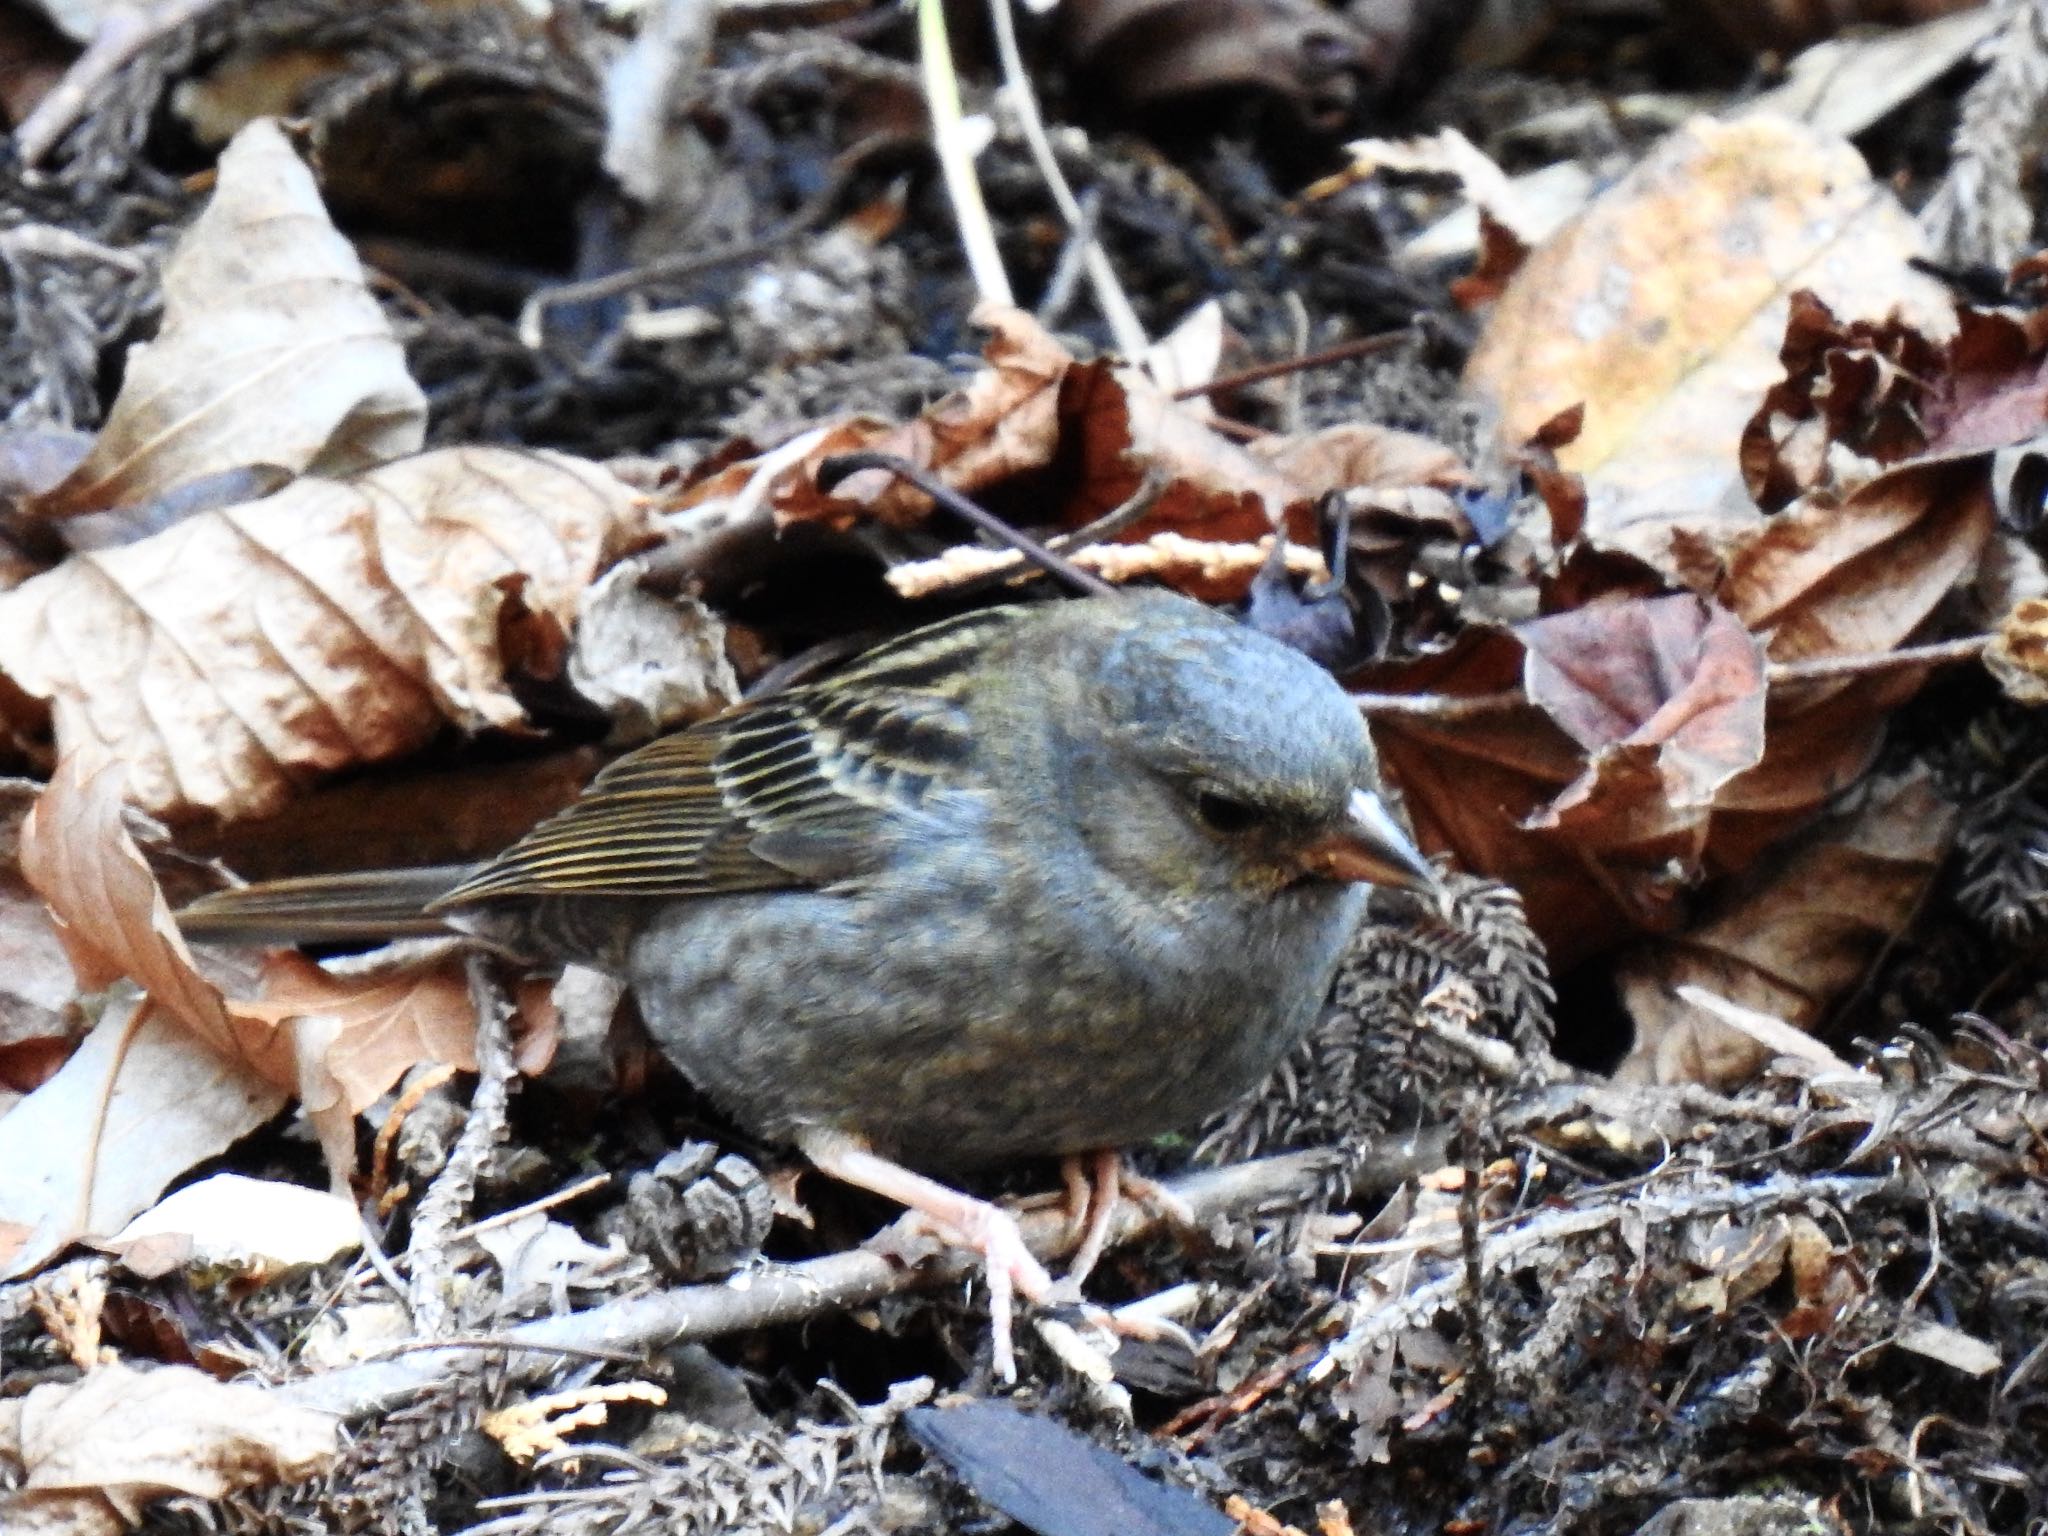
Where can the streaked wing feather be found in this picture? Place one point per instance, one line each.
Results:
(783, 792)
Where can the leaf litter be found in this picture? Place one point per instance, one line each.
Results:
(1685, 1165)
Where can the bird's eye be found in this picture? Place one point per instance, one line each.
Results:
(1220, 813)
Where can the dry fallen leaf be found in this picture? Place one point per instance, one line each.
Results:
(272, 349)
(1855, 579)
(367, 1031)
(1789, 943)
(156, 1089)
(1002, 422)
(111, 914)
(1596, 798)
(138, 1103)
(1675, 674)
(230, 660)
(651, 662)
(258, 1228)
(122, 1437)
(39, 1017)
(1857, 387)
(1662, 308)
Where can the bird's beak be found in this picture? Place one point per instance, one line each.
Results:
(1368, 845)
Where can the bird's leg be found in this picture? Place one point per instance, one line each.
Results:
(1077, 1198)
(1104, 1176)
(1111, 1182)
(960, 1218)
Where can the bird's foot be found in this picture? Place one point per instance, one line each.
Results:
(1009, 1266)
(953, 1217)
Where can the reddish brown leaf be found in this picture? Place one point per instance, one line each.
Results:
(1122, 425)
(1673, 673)
(368, 1031)
(1861, 577)
(1003, 422)
(1860, 385)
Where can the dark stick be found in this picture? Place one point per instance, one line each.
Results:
(834, 471)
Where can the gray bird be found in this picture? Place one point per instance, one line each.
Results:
(1038, 880)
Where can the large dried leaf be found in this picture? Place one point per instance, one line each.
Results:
(135, 1106)
(128, 1436)
(123, 1117)
(1789, 943)
(231, 659)
(1662, 308)
(1861, 577)
(272, 350)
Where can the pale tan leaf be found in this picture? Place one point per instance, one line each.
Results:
(651, 661)
(139, 1435)
(1662, 308)
(74, 1172)
(272, 350)
(229, 660)
(257, 1227)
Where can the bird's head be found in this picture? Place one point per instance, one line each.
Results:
(1204, 755)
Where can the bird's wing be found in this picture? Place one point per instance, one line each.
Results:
(788, 791)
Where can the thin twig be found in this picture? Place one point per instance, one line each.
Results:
(1818, 668)
(574, 1191)
(1439, 706)
(1342, 352)
(1124, 325)
(1107, 526)
(675, 269)
(836, 469)
(956, 163)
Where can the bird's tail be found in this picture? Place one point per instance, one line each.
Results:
(376, 904)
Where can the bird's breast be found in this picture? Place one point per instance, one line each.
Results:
(957, 1020)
